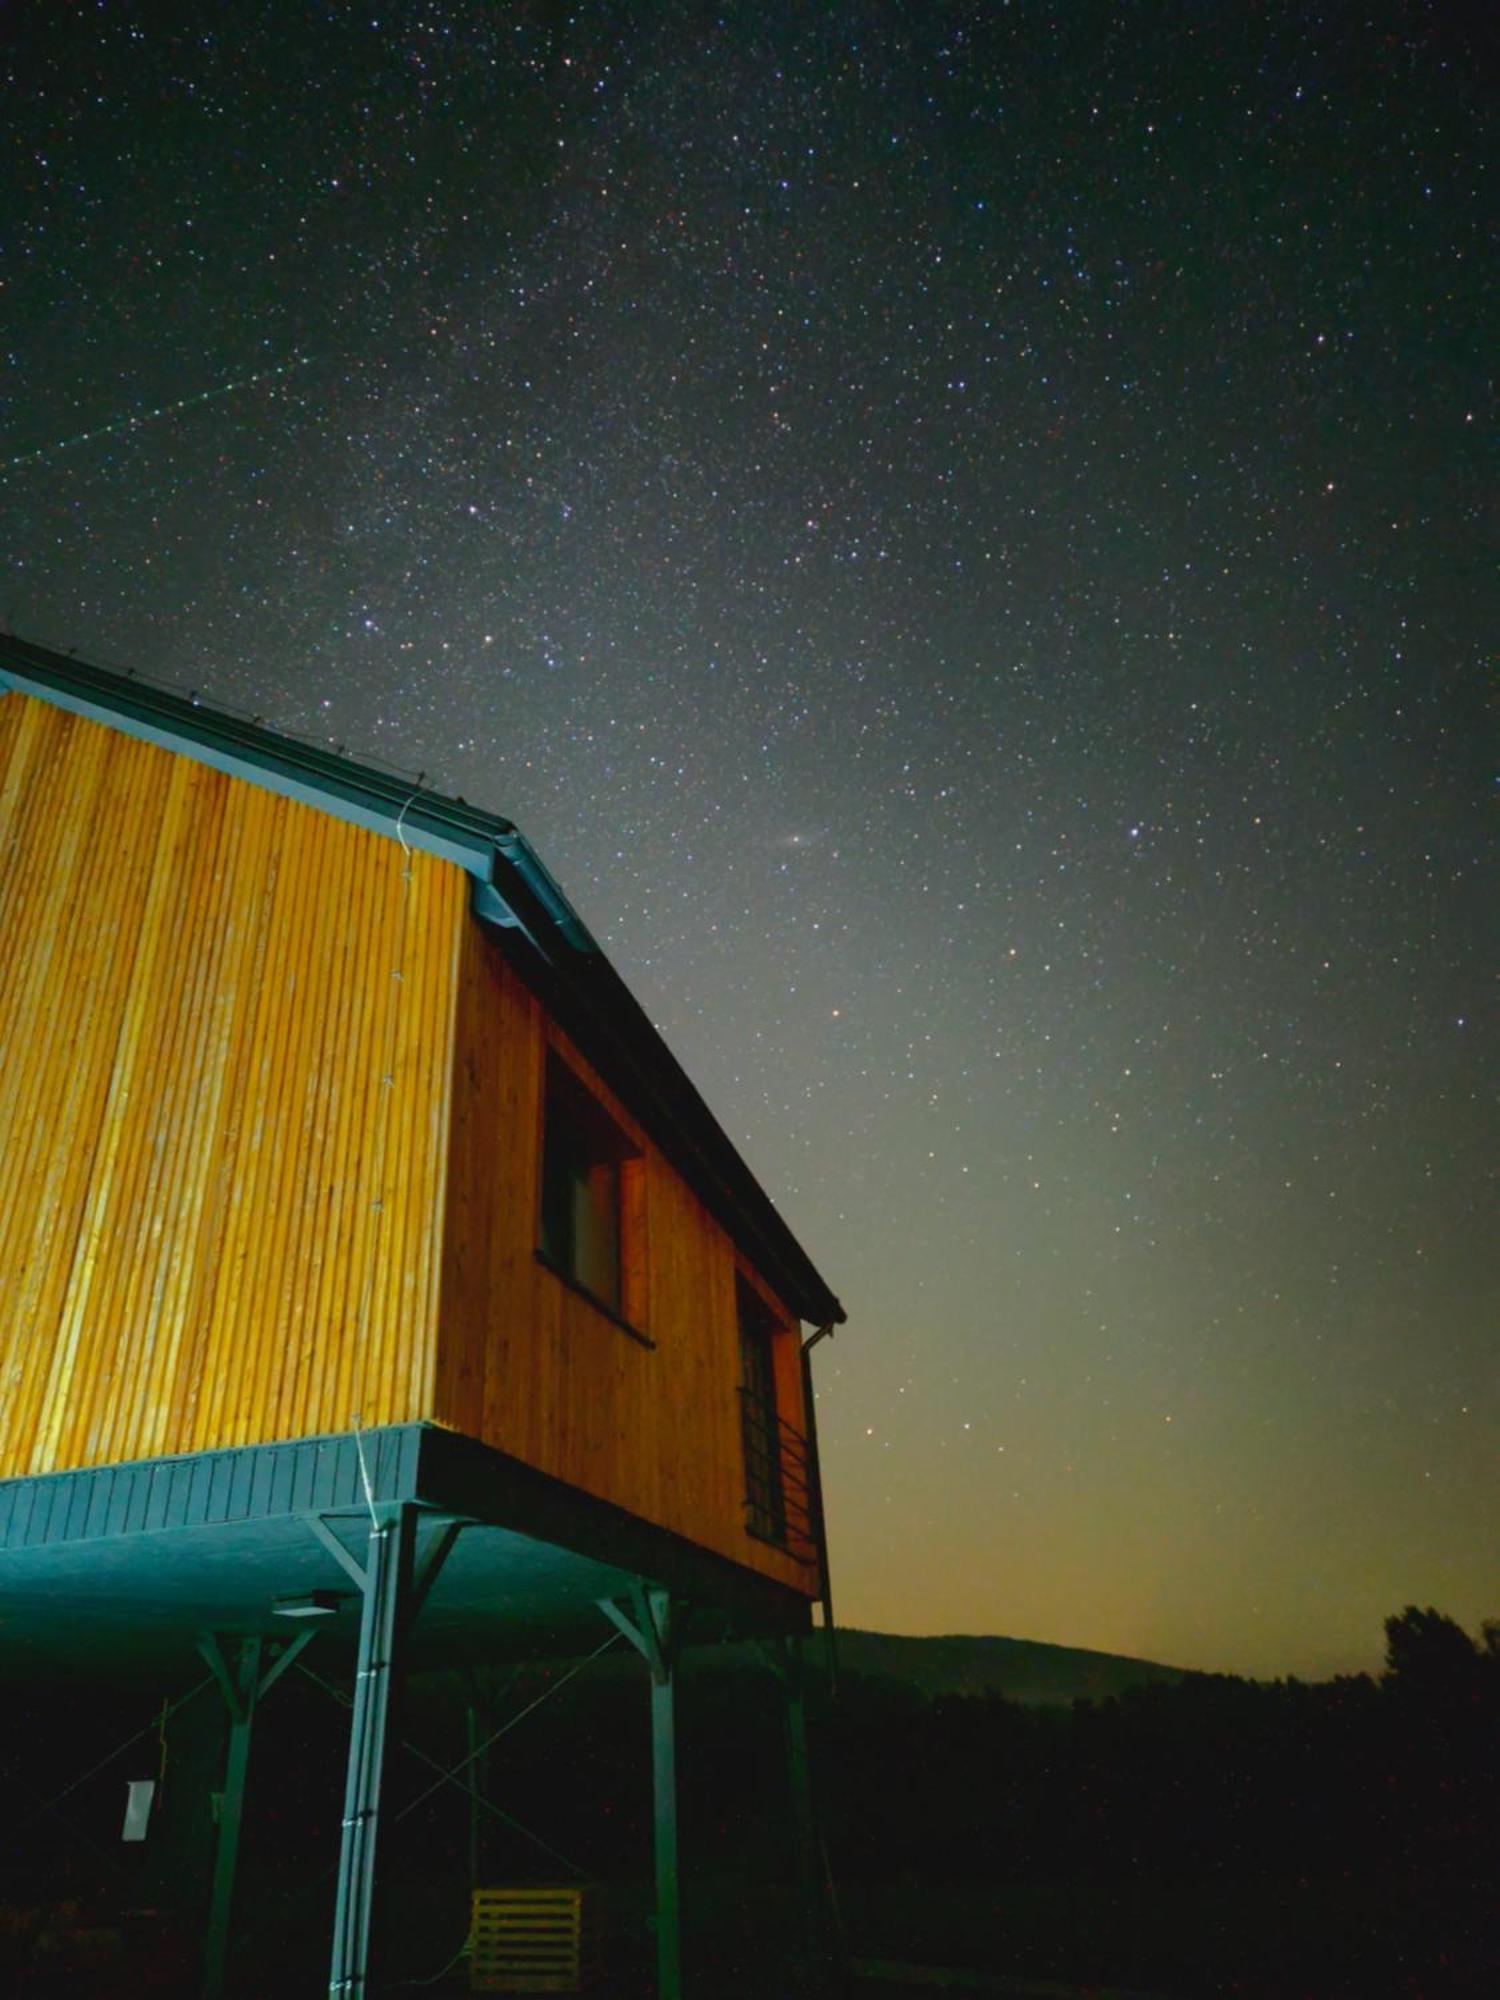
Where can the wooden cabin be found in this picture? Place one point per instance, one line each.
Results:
(328, 1131)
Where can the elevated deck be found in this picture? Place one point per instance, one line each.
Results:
(131, 1563)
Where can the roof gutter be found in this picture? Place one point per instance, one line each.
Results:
(381, 801)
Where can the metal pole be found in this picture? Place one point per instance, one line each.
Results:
(664, 1793)
(804, 1816)
(474, 1784)
(240, 1691)
(387, 1581)
(655, 1630)
(820, 1523)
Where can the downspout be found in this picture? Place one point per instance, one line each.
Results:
(820, 1527)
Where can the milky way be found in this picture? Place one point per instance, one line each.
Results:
(958, 533)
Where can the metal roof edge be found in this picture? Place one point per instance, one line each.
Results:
(221, 1485)
(596, 1008)
(380, 801)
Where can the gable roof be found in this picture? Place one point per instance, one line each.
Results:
(512, 894)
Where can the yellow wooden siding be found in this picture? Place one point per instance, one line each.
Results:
(225, 1024)
(270, 1136)
(531, 1367)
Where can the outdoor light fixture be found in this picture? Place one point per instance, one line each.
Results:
(311, 1604)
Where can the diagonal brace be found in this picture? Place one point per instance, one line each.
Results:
(653, 1625)
(426, 1575)
(240, 1699)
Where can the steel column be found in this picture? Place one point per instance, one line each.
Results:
(821, 1928)
(653, 1626)
(474, 1776)
(664, 1802)
(799, 1777)
(387, 1578)
(240, 1688)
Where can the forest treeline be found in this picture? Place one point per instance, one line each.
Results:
(1215, 1835)
(1281, 1773)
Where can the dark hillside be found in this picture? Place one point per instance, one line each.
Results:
(1021, 1670)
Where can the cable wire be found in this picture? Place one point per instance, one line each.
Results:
(156, 1724)
(506, 1727)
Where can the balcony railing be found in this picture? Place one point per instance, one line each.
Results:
(780, 1504)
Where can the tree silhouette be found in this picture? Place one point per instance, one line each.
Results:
(1429, 1655)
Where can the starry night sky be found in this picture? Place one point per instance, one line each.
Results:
(958, 532)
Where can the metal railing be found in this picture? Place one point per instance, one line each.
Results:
(779, 1498)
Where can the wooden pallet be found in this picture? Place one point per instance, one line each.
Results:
(534, 1940)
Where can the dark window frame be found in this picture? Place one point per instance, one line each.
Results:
(583, 1207)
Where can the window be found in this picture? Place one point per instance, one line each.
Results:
(760, 1423)
(584, 1154)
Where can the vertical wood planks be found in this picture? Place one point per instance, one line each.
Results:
(224, 1026)
(527, 1364)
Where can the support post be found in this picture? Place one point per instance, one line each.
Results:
(653, 1626)
(386, 1584)
(474, 1783)
(240, 1686)
(664, 1804)
(799, 1784)
(821, 1930)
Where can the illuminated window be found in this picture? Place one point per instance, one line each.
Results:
(583, 1162)
(760, 1422)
